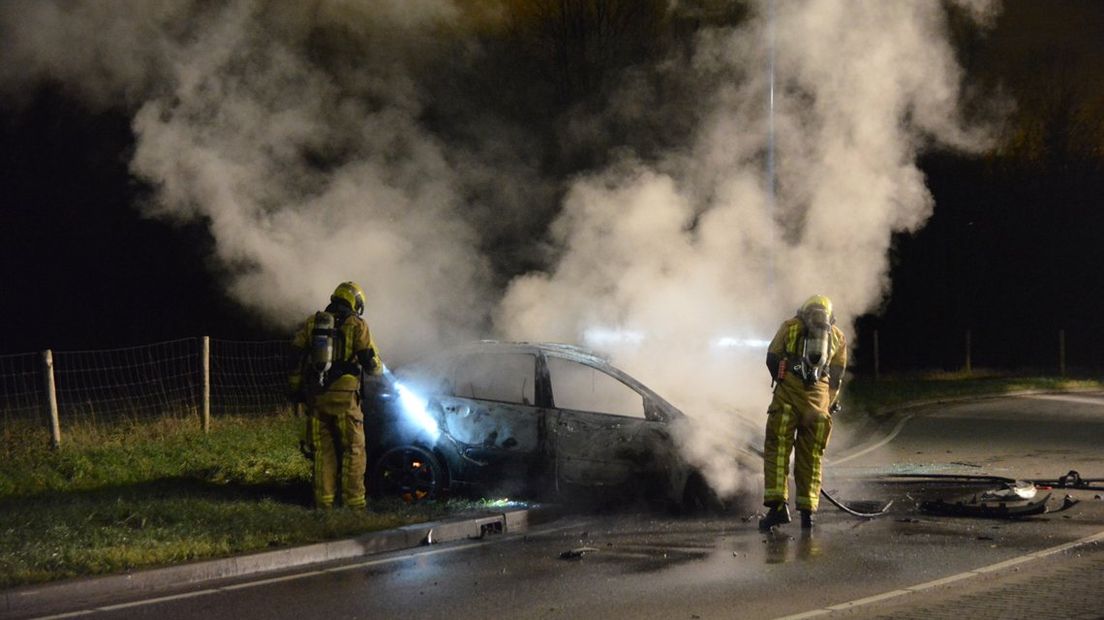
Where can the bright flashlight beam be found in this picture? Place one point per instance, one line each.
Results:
(414, 407)
(741, 343)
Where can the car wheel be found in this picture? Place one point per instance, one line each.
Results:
(698, 497)
(411, 473)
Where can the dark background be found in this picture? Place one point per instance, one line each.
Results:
(1013, 252)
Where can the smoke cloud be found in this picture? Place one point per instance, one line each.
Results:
(331, 140)
(699, 246)
(296, 131)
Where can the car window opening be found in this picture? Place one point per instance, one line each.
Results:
(581, 387)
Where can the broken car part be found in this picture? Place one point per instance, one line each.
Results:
(1016, 490)
(1071, 480)
(984, 509)
(576, 553)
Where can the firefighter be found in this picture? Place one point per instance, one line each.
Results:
(333, 352)
(806, 359)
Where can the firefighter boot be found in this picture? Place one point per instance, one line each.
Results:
(777, 515)
(806, 519)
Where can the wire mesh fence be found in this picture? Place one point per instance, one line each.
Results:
(22, 389)
(137, 383)
(248, 377)
(202, 379)
(185, 379)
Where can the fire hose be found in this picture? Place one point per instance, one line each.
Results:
(852, 511)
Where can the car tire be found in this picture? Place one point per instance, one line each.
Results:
(411, 473)
(699, 498)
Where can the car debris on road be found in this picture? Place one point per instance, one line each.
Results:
(1009, 499)
(577, 553)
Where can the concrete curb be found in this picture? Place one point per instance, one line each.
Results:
(49, 598)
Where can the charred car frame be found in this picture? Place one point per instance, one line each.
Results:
(544, 421)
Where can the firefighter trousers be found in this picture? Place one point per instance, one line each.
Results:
(805, 435)
(337, 435)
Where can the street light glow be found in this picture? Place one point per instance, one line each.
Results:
(601, 335)
(740, 343)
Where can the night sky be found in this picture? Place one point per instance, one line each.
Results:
(1013, 251)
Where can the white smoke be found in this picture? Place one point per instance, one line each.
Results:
(227, 143)
(309, 171)
(105, 53)
(692, 248)
(298, 132)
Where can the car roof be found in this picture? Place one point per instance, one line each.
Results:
(568, 351)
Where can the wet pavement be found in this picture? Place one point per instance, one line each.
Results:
(643, 565)
(1067, 585)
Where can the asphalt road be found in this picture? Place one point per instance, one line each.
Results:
(639, 565)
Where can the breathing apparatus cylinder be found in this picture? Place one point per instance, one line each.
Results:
(816, 347)
(815, 354)
(322, 345)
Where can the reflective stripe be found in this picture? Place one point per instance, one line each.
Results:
(791, 338)
(320, 498)
(782, 450)
(344, 353)
(782, 455)
(811, 499)
(818, 450)
(346, 456)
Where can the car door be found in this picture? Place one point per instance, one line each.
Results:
(489, 409)
(600, 428)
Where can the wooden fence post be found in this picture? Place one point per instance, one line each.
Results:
(1062, 352)
(51, 398)
(877, 361)
(205, 377)
(969, 363)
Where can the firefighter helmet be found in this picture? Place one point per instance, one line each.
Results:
(817, 309)
(350, 293)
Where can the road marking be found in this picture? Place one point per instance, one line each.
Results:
(888, 438)
(946, 580)
(272, 580)
(1083, 400)
(261, 582)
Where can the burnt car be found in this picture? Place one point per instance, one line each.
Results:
(544, 421)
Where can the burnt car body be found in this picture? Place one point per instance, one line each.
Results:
(529, 419)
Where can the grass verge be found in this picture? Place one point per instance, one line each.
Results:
(163, 492)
